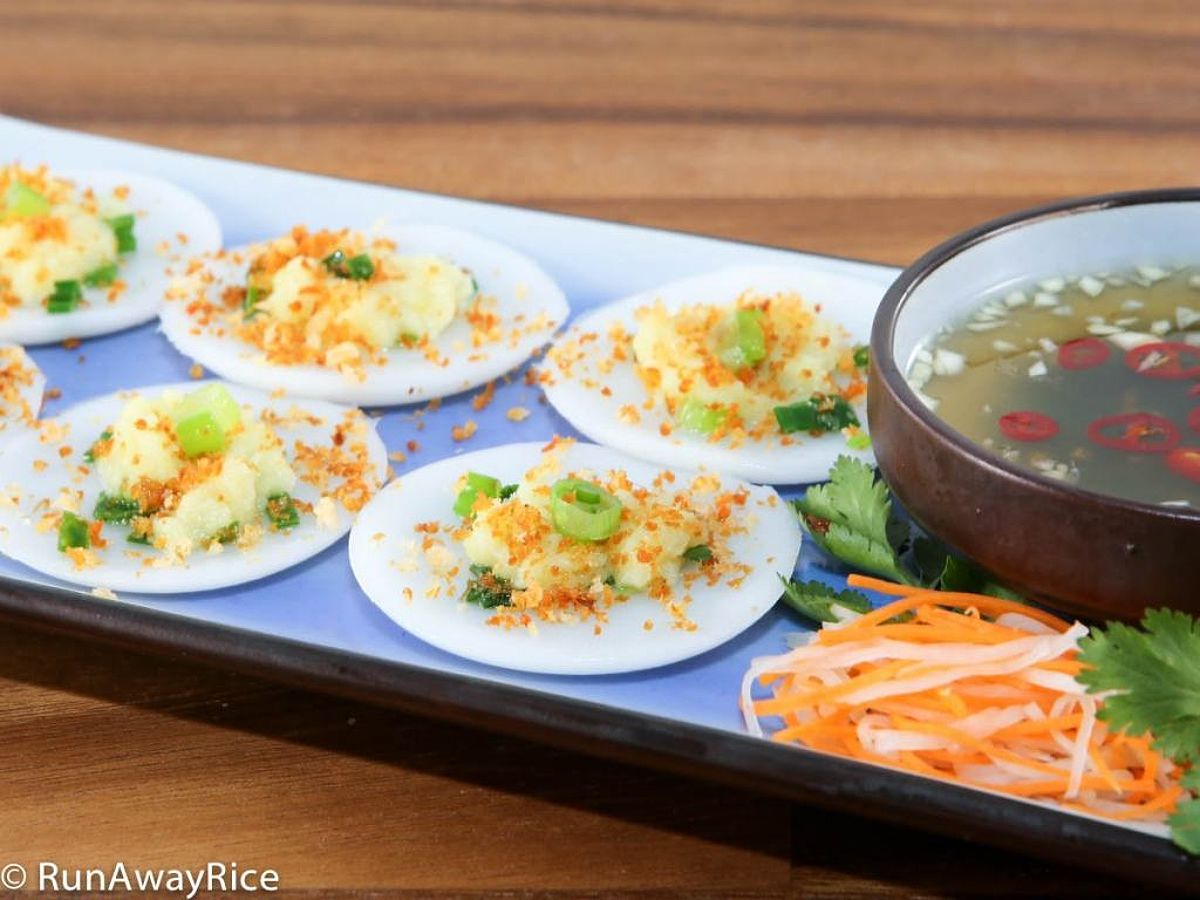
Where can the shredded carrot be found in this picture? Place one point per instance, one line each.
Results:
(966, 688)
(915, 596)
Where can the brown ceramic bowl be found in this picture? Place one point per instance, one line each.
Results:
(1080, 551)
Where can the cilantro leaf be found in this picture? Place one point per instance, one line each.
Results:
(899, 535)
(930, 558)
(853, 496)
(1155, 673)
(941, 569)
(860, 551)
(959, 574)
(1154, 676)
(851, 518)
(1185, 821)
(815, 600)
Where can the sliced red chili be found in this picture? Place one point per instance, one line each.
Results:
(1185, 461)
(1083, 353)
(1194, 419)
(1027, 425)
(1135, 432)
(1165, 359)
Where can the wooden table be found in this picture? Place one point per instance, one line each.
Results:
(863, 128)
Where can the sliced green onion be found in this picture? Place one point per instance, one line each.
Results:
(583, 511)
(334, 262)
(65, 298)
(134, 538)
(474, 287)
(699, 553)
(741, 342)
(586, 493)
(214, 399)
(199, 434)
(73, 533)
(281, 510)
(859, 441)
(22, 200)
(508, 490)
(360, 267)
(485, 483)
(819, 414)
(122, 227)
(862, 357)
(695, 415)
(254, 294)
(89, 455)
(204, 418)
(624, 589)
(228, 534)
(464, 503)
(102, 276)
(116, 509)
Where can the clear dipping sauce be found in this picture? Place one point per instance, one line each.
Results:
(1092, 380)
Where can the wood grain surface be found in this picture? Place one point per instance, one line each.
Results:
(853, 127)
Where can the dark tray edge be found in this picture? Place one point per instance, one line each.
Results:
(706, 753)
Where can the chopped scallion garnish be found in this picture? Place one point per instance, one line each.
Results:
(464, 503)
(116, 509)
(65, 298)
(122, 228)
(141, 531)
(73, 532)
(360, 267)
(281, 510)
(696, 415)
(699, 553)
(741, 342)
(89, 455)
(254, 294)
(204, 418)
(22, 200)
(862, 357)
(102, 276)
(859, 441)
(334, 262)
(487, 590)
(819, 414)
(485, 483)
(584, 511)
(199, 434)
(228, 534)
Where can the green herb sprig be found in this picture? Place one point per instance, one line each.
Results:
(851, 518)
(1153, 676)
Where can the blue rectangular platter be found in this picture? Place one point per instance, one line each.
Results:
(312, 625)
